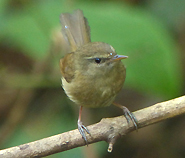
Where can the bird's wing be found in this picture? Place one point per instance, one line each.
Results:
(67, 67)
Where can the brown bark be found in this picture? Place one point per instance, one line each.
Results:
(108, 129)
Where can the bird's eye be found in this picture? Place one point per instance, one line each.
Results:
(97, 60)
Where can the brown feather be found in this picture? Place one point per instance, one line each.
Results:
(67, 67)
(75, 28)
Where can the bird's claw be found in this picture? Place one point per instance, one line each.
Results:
(129, 115)
(82, 128)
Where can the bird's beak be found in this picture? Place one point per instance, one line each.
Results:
(119, 57)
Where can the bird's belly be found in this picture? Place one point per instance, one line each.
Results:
(94, 96)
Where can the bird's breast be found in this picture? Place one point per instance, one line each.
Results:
(94, 92)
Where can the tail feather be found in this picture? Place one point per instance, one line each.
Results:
(75, 29)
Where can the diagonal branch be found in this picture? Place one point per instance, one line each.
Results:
(108, 129)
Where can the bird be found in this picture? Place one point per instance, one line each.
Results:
(92, 72)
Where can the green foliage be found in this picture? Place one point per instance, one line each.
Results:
(171, 12)
(153, 63)
(153, 58)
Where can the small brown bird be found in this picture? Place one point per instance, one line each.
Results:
(92, 72)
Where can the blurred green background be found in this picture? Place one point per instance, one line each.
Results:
(32, 103)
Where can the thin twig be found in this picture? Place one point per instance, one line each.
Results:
(108, 129)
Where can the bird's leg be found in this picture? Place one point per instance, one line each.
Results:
(129, 115)
(81, 127)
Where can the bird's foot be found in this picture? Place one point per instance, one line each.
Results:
(129, 115)
(82, 128)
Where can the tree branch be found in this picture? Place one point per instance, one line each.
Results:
(108, 129)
